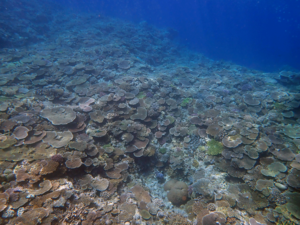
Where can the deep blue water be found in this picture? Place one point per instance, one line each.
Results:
(260, 34)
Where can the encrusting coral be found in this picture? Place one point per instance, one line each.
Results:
(214, 147)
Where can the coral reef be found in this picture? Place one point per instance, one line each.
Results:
(214, 147)
(108, 122)
(177, 192)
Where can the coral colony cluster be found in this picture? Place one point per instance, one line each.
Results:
(108, 122)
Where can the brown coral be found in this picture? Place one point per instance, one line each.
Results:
(20, 132)
(178, 192)
(59, 115)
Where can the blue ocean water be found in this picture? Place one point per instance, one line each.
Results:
(258, 34)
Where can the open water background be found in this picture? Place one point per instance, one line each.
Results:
(260, 34)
